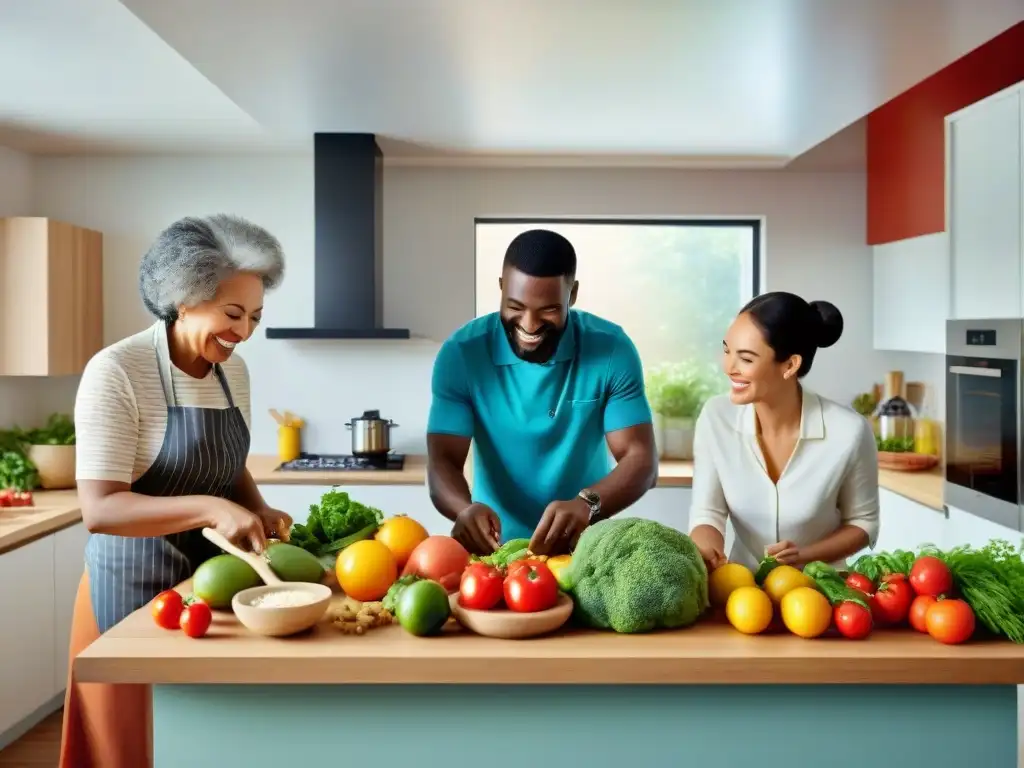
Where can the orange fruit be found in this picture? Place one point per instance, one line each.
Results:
(749, 610)
(805, 612)
(401, 534)
(366, 570)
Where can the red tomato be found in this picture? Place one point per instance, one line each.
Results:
(6, 498)
(531, 588)
(196, 618)
(891, 602)
(480, 588)
(894, 577)
(931, 576)
(167, 608)
(861, 583)
(919, 612)
(515, 565)
(950, 621)
(852, 620)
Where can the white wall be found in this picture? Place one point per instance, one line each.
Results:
(814, 238)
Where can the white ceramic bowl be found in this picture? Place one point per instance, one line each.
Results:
(512, 625)
(284, 620)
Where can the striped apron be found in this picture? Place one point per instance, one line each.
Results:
(203, 454)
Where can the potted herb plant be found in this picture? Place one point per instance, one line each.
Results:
(677, 392)
(51, 448)
(17, 473)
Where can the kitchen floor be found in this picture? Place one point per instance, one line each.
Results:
(38, 748)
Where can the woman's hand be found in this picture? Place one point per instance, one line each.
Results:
(275, 522)
(713, 557)
(785, 552)
(238, 525)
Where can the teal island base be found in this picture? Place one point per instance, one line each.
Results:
(619, 726)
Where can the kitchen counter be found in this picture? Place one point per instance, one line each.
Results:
(660, 699)
(923, 487)
(53, 511)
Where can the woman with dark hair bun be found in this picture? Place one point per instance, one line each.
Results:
(796, 473)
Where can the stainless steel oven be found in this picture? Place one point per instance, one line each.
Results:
(983, 419)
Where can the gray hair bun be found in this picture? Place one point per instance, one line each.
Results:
(831, 323)
(191, 257)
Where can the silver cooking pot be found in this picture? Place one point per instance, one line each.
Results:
(371, 435)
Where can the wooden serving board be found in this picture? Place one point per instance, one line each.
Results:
(906, 461)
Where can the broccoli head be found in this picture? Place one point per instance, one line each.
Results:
(635, 575)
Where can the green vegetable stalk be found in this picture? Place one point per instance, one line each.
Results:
(394, 593)
(335, 523)
(509, 552)
(884, 563)
(833, 586)
(767, 565)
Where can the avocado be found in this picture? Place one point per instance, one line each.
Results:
(220, 578)
(292, 563)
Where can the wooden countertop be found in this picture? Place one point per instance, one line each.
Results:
(137, 651)
(53, 511)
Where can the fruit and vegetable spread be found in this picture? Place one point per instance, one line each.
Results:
(626, 575)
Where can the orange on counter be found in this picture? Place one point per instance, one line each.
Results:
(366, 570)
(806, 612)
(401, 534)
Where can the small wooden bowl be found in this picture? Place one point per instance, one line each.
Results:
(283, 621)
(906, 461)
(512, 625)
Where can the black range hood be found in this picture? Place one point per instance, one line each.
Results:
(348, 297)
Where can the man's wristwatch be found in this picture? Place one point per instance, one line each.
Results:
(593, 501)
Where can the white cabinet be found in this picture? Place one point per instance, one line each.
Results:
(68, 566)
(911, 294)
(26, 630)
(984, 213)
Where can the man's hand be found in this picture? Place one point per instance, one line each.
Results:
(276, 523)
(785, 552)
(478, 529)
(560, 526)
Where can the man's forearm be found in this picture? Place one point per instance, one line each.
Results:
(634, 475)
(449, 491)
(247, 494)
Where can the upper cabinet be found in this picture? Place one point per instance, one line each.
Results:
(911, 294)
(51, 297)
(985, 206)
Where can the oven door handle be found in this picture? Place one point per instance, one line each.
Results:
(969, 370)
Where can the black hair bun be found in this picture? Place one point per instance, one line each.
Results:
(831, 323)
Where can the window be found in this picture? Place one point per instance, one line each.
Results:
(673, 285)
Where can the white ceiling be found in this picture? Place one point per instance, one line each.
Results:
(745, 81)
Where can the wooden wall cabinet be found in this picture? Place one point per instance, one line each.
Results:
(51, 297)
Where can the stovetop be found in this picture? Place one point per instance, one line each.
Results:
(315, 462)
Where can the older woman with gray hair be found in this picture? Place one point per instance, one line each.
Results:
(162, 420)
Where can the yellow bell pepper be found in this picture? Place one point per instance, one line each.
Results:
(558, 564)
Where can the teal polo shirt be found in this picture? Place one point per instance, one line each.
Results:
(538, 429)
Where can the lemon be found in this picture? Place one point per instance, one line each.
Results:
(749, 610)
(725, 579)
(806, 612)
(783, 579)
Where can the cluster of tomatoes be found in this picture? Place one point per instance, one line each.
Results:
(921, 599)
(172, 611)
(526, 586)
(12, 498)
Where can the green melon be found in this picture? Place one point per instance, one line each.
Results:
(292, 563)
(221, 578)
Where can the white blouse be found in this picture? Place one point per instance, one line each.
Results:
(830, 480)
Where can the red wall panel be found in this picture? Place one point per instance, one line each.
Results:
(906, 138)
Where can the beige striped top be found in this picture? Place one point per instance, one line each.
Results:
(121, 406)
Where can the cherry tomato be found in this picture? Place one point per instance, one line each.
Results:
(931, 576)
(481, 587)
(196, 618)
(950, 621)
(861, 583)
(891, 602)
(530, 588)
(167, 608)
(919, 612)
(852, 620)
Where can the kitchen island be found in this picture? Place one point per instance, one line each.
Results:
(704, 695)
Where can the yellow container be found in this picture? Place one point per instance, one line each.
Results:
(289, 442)
(926, 437)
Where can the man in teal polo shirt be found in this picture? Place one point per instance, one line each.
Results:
(544, 393)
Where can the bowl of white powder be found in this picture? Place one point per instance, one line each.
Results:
(277, 610)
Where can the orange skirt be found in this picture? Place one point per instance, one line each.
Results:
(105, 726)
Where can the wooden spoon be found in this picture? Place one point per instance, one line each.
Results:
(261, 566)
(277, 416)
